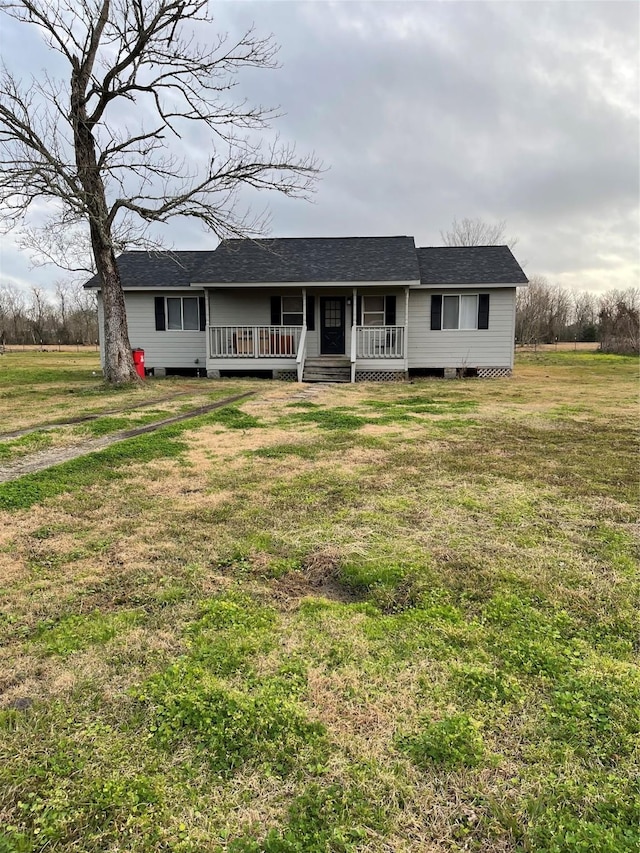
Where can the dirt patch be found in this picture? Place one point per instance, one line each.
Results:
(42, 459)
(229, 443)
(11, 568)
(48, 458)
(62, 422)
(319, 575)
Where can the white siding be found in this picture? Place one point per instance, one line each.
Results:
(163, 349)
(492, 347)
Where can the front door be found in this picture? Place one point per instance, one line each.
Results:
(332, 325)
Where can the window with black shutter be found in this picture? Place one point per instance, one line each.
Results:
(292, 314)
(179, 313)
(460, 311)
(373, 310)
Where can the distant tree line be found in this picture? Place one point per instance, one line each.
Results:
(546, 313)
(36, 317)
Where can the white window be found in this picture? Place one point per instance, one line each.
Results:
(460, 312)
(373, 310)
(183, 313)
(292, 312)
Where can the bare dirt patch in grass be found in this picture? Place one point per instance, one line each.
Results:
(210, 443)
(318, 575)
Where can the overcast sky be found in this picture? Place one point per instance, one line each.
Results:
(425, 111)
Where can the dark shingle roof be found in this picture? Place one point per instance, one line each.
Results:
(307, 259)
(469, 265)
(300, 259)
(155, 269)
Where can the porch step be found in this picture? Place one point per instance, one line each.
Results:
(327, 361)
(328, 368)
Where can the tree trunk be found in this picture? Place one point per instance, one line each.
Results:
(118, 361)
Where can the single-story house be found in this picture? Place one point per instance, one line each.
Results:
(323, 308)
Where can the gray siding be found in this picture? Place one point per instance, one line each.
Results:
(162, 349)
(492, 347)
(239, 308)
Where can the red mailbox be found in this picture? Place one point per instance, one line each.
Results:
(138, 361)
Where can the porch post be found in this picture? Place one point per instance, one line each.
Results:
(207, 321)
(406, 329)
(304, 306)
(354, 333)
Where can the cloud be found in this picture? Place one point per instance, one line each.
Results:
(427, 111)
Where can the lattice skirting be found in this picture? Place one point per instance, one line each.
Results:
(286, 375)
(380, 376)
(493, 372)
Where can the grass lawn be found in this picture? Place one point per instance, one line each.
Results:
(343, 618)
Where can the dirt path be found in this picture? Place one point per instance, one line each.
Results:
(47, 458)
(81, 419)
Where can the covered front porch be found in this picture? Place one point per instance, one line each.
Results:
(356, 331)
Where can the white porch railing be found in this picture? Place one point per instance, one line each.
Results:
(380, 341)
(254, 341)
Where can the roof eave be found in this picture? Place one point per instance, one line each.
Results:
(474, 284)
(320, 284)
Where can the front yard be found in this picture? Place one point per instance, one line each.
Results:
(330, 618)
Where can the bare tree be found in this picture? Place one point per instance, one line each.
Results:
(620, 321)
(39, 309)
(4, 316)
(585, 316)
(14, 307)
(476, 232)
(64, 291)
(84, 146)
(83, 319)
(532, 309)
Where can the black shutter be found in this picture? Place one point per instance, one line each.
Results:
(276, 314)
(436, 311)
(311, 312)
(203, 313)
(161, 324)
(359, 311)
(390, 310)
(483, 311)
